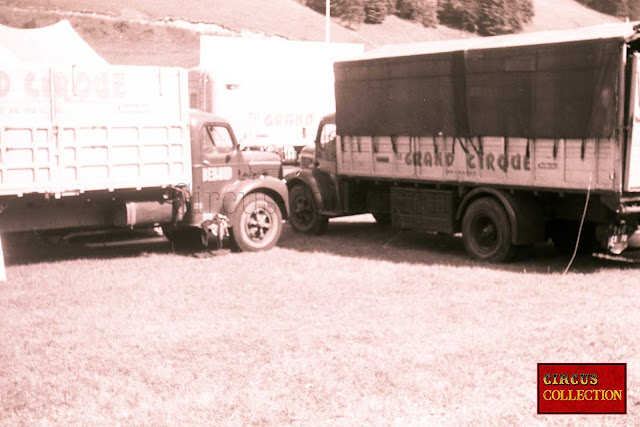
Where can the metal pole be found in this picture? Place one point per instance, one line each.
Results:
(327, 24)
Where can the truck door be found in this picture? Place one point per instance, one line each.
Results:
(325, 170)
(632, 175)
(219, 163)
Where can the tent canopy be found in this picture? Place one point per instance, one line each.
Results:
(57, 44)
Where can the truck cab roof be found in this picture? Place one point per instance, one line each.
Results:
(329, 118)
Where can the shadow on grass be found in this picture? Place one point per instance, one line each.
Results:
(356, 237)
(25, 249)
(363, 238)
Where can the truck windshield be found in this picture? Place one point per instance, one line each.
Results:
(328, 134)
(217, 138)
(327, 148)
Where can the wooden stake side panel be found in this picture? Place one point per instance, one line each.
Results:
(574, 164)
(66, 131)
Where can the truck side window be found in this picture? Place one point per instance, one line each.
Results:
(217, 139)
(327, 148)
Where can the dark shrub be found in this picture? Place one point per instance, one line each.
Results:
(620, 8)
(375, 11)
(350, 11)
(461, 14)
(487, 17)
(422, 11)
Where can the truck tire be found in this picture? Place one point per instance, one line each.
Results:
(486, 231)
(257, 223)
(303, 214)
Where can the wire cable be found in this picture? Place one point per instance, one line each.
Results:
(584, 214)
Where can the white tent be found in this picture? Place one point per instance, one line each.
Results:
(7, 56)
(57, 44)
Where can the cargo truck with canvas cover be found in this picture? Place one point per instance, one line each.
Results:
(95, 148)
(274, 92)
(505, 139)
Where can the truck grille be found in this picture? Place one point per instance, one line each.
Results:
(271, 171)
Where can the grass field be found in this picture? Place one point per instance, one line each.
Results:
(361, 326)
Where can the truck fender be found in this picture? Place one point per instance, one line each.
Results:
(525, 214)
(269, 185)
(306, 178)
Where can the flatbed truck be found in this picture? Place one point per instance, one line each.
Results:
(87, 149)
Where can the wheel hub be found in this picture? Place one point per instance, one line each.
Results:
(486, 233)
(259, 224)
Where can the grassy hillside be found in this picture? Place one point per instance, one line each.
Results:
(118, 40)
(289, 19)
(559, 14)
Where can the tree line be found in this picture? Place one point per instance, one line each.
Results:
(620, 8)
(485, 17)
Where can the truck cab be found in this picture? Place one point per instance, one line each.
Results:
(314, 188)
(240, 190)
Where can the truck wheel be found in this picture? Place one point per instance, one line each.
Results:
(257, 223)
(486, 231)
(303, 214)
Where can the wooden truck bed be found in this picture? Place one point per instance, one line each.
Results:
(543, 163)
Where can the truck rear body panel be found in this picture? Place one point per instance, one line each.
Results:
(67, 131)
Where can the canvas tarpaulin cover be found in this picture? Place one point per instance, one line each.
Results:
(565, 89)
